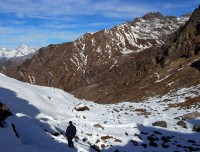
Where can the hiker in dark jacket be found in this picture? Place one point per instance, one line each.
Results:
(4, 111)
(70, 134)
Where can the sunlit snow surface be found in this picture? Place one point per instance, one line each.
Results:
(40, 112)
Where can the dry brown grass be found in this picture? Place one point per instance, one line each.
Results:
(188, 103)
(143, 112)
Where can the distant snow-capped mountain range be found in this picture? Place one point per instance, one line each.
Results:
(20, 51)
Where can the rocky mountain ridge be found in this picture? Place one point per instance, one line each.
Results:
(110, 65)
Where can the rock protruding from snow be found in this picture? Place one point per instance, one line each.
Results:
(196, 128)
(162, 124)
(182, 124)
(81, 107)
(191, 115)
(98, 126)
(183, 44)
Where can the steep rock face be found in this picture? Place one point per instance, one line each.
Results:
(106, 66)
(179, 57)
(184, 44)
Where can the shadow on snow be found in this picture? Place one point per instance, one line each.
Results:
(156, 139)
(148, 139)
(30, 130)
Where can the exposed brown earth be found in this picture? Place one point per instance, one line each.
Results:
(188, 103)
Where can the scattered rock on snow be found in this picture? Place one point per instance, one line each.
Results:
(152, 138)
(144, 145)
(164, 145)
(55, 134)
(88, 134)
(191, 141)
(137, 135)
(162, 124)
(144, 133)
(97, 141)
(196, 128)
(153, 144)
(182, 124)
(104, 138)
(157, 132)
(177, 118)
(118, 140)
(191, 115)
(116, 110)
(95, 147)
(166, 139)
(134, 142)
(103, 146)
(84, 139)
(143, 112)
(98, 126)
(81, 107)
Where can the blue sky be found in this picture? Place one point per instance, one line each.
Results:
(42, 22)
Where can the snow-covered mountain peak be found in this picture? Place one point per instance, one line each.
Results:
(23, 50)
(20, 51)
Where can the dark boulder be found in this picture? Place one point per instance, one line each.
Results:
(153, 144)
(152, 138)
(162, 124)
(182, 124)
(196, 128)
(95, 147)
(81, 107)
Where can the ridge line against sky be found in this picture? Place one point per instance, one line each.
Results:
(41, 22)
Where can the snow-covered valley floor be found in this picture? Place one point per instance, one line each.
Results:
(41, 116)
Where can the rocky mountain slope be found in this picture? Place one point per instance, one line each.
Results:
(114, 65)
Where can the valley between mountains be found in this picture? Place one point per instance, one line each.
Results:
(134, 88)
(123, 63)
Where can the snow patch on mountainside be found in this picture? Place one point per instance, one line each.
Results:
(134, 36)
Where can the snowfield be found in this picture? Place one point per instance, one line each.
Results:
(41, 116)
